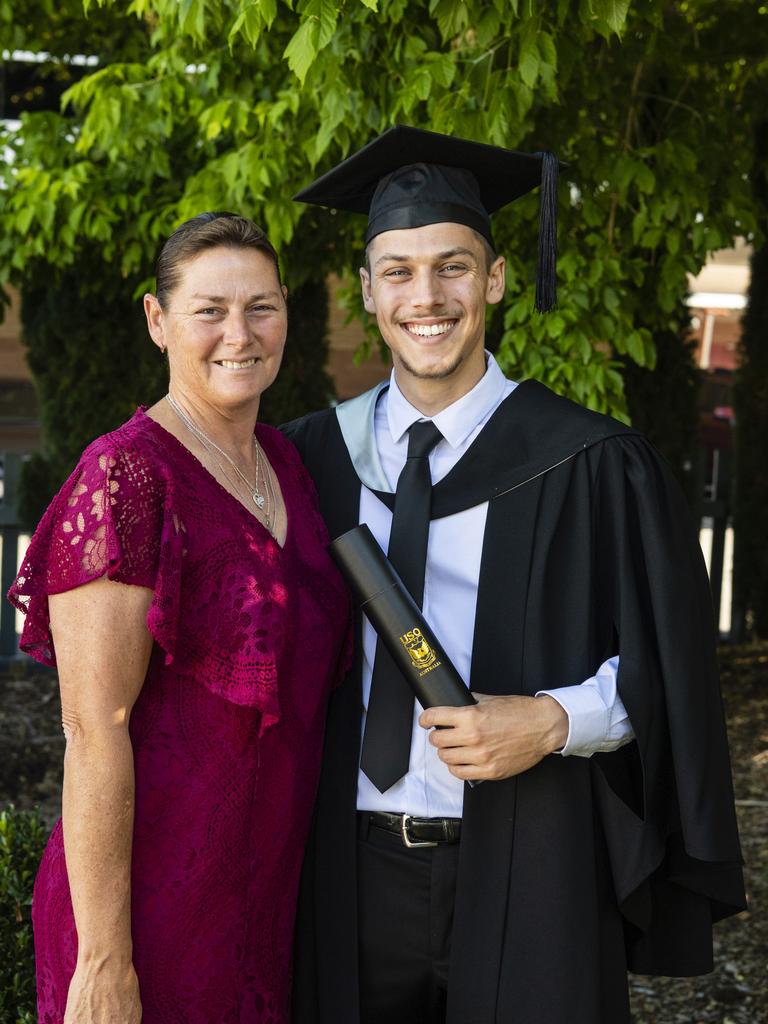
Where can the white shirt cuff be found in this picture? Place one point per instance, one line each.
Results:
(597, 719)
(587, 718)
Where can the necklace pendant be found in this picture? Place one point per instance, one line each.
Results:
(258, 499)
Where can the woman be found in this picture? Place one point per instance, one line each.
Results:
(180, 583)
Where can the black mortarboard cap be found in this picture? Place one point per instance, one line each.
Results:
(408, 178)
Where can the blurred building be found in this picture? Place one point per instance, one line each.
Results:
(717, 297)
(19, 423)
(349, 377)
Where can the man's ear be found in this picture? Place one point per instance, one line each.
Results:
(365, 285)
(497, 279)
(155, 321)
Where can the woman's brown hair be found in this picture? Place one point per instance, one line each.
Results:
(207, 231)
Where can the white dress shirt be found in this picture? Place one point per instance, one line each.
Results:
(597, 718)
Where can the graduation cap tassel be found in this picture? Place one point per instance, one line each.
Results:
(546, 275)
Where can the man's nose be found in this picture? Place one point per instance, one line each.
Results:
(428, 290)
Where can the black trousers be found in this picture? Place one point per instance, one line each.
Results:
(405, 917)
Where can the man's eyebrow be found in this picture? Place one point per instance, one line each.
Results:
(459, 250)
(390, 257)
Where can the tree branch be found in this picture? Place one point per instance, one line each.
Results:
(631, 120)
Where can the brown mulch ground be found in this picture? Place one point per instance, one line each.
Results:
(31, 748)
(31, 740)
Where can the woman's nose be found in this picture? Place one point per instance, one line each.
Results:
(236, 327)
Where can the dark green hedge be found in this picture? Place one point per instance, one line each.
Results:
(22, 839)
(92, 364)
(663, 403)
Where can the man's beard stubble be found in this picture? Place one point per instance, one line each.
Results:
(442, 374)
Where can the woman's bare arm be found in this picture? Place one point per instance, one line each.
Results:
(102, 650)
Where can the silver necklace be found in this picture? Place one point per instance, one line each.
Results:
(264, 502)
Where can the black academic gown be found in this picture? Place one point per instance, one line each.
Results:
(580, 868)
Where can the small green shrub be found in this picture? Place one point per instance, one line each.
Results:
(22, 838)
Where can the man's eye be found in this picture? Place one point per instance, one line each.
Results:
(261, 309)
(454, 267)
(209, 311)
(396, 272)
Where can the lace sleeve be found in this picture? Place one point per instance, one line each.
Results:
(112, 517)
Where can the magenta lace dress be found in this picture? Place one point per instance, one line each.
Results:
(227, 731)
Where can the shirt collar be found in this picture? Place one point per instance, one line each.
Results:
(457, 421)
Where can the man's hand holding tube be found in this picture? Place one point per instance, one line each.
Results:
(498, 737)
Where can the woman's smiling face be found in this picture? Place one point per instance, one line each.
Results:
(224, 327)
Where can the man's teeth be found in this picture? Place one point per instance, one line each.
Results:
(230, 364)
(428, 330)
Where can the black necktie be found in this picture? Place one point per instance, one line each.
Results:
(387, 739)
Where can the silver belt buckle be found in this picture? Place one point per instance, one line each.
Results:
(404, 833)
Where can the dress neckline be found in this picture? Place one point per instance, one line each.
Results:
(141, 412)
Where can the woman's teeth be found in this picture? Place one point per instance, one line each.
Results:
(429, 330)
(230, 364)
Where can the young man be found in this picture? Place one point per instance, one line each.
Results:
(556, 562)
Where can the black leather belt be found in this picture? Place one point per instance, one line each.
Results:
(412, 831)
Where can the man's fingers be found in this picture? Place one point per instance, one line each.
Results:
(448, 736)
(473, 763)
(456, 755)
(468, 772)
(447, 717)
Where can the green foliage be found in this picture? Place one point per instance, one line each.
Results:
(22, 838)
(237, 103)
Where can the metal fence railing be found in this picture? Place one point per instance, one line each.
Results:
(9, 560)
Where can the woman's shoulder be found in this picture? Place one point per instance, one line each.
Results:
(115, 516)
(134, 434)
(138, 446)
(127, 469)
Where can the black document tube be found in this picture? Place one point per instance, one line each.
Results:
(398, 621)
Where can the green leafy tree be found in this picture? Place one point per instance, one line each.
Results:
(237, 103)
(83, 325)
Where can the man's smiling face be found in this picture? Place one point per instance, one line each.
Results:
(429, 288)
